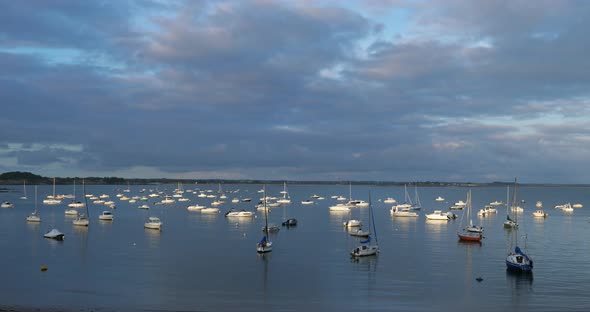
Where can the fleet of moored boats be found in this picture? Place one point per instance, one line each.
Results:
(517, 259)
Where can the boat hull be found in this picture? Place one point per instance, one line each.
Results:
(264, 248)
(364, 251)
(470, 237)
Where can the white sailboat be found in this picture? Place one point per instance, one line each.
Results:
(517, 260)
(509, 223)
(265, 244)
(24, 190)
(367, 247)
(34, 217)
(469, 232)
(286, 198)
(82, 219)
(52, 200)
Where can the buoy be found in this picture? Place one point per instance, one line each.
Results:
(43, 268)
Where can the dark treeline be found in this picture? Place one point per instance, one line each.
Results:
(17, 177)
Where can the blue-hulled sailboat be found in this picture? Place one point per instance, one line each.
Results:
(517, 259)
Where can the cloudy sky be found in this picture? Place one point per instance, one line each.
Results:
(302, 90)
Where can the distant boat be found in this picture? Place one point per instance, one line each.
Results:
(153, 223)
(290, 222)
(439, 199)
(54, 234)
(6, 204)
(539, 213)
(286, 199)
(396, 211)
(352, 223)
(33, 217)
(509, 223)
(242, 213)
(52, 200)
(195, 207)
(438, 215)
(389, 200)
(24, 190)
(209, 210)
(106, 216)
(82, 219)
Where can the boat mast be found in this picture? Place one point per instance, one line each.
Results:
(265, 213)
(85, 198)
(372, 219)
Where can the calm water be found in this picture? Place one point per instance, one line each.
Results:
(208, 262)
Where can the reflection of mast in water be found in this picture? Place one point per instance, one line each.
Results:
(520, 284)
(368, 265)
(265, 258)
(470, 274)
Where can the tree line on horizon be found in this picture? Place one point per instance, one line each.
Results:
(17, 177)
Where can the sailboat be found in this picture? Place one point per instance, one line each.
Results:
(82, 219)
(286, 199)
(517, 260)
(509, 223)
(469, 232)
(74, 203)
(24, 190)
(367, 247)
(33, 217)
(51, 200)
(265, 244)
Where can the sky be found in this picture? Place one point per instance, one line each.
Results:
(375, 90)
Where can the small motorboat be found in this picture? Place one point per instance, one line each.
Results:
(153, 223)
(389, 200)
(242, 213)
(6, 205)
(290, 222)
(438, 215)
(106, 216)
(540, 213)
(360, 233)
(54, 234)
(271, 228)
(352, 223)
(71, 212)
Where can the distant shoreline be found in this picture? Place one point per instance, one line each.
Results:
(17, 178)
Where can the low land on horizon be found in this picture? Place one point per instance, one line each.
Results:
(17, 177)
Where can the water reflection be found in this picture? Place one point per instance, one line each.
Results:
(265, 259)
(403, 224)
(436, 226)
(153, 237)
(365, 264)
(34, 226)
(519, 283)
(337, 218)
(80, 230)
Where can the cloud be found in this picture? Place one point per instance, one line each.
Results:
(438, 90)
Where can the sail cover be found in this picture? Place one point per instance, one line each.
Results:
(518, 251)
